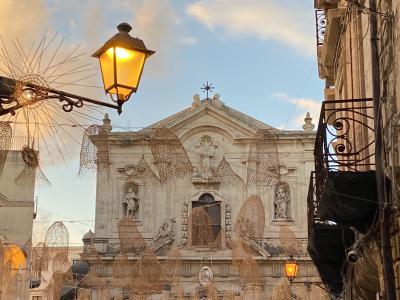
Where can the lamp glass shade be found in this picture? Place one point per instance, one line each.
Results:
(121, 70)
(291, 267)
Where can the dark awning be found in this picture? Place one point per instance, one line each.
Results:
(326, 246)
(349, 198)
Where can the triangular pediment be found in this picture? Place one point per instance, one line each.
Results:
(214, 114)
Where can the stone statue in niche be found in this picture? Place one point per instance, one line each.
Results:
(207, 154)
(281, 201)
(131, 203)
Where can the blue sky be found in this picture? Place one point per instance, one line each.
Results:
(259, 55)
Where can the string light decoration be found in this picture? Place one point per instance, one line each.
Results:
(177, 293)
(147, 275)
(243, 260)
(130, 239)
(29, 96)
(254, 292)
(201, 228)
(84, 294)
(91, 157)
(58, 282)
(122, 271)
(170, 157)
(229, 295)
(263, 163)
(57, 236)
(250, 220)
(289, 241)
(172, 267)
(229, 179)
(32, 174)
(5, 142)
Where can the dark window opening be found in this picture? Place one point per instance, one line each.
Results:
(206, 222)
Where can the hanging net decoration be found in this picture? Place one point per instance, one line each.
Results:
(147, 275)
(122, 271)
(170, 157)
(31, 175)
(177, 293)
(39, 259)
(57, 236)
(2, 266)
(84, 294)
(130, 239)
(94, 158)
(229, 295)
(263, 163)
(145, 176)
(250, 221)
(172, 267)
(243, 260)
(31, 72)
(289, 241)
(5, 142)
(202, 229)
(229, 179)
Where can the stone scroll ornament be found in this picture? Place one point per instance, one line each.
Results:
(94, 158)
(263, 163)
(170, 157)
(5, 142)
(32, 174)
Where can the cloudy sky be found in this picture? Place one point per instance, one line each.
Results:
(259, 54)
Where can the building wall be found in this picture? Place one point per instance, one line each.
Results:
(16, 221)
(351, 78)
(232, 137)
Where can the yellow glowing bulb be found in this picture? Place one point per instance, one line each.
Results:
(121, 53)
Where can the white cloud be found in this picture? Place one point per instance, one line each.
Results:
(188, 40)
(300, 107)
(283, 21)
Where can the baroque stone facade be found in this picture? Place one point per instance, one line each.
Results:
(268, 214)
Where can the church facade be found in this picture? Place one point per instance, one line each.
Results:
(216, 196)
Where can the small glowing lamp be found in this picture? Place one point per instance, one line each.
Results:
(291, 267)
(14, 257)
(122, 60)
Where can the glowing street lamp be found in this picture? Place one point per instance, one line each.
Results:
(122, 60)
(291, 267)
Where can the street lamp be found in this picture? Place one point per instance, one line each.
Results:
(122, 60)
(291, 267)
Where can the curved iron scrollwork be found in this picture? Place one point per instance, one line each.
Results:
(18, 94)
(320, 23)
(349, 134)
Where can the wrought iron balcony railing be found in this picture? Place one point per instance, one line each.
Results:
(344, 142)
(320, 23)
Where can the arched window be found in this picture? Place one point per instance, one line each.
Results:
(206, 222)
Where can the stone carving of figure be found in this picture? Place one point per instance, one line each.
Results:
(207, 153)
(131, 203)
(166, 229)
(281, 201)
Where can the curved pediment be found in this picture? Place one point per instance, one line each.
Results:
(213, 114)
